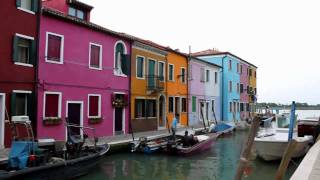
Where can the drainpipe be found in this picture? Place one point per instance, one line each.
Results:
(129, 92)
(222, 87)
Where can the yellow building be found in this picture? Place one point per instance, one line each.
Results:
(252, 86)
(177, 87)
(148, 86)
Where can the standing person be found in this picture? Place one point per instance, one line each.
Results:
(174, 126)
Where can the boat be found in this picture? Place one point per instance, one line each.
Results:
(143, 145)
(205, 142)
(222, 128)
(309, 126)
(271, 142)
(50, 159)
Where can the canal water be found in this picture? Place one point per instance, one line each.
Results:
(218, 163)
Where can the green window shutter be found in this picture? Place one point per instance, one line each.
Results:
(18, 3)
(125, 63)
(15, 49)
(31, 106)
(194, 104)
(13, 104)
(34, 5)
(33, 53)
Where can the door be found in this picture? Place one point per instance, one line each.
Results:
(74, 117)
(177, 108)
(234, 111)
(162, 121)
(119, 117)
(2, 117)
(151, 74)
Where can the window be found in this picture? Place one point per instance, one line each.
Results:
(95, 56)
(183, 105)
(255, 74)
(215, 77)
(54, 49)
(230, 86)
(248, 107)
(241, 107)
(250, 72)
(140, 67)
(94, 105)
(24, 50)
(140, 108)
(121, 60)
(202, 75)
(76, 13)
(230, 106)
(171, 104)
(230, 65)
(194, 103)
(151, 108)
(248, 90)
(241, 88)
(207, 75)
(183, 75)
(238, 88)
(30, 6)
(238, 106)
(161, 71)
(241, 69)
(52, 104)
(238, 68)
(171, 72)
(22, 103)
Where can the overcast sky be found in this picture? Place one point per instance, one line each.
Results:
(281, 37)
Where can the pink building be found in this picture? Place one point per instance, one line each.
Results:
(244, 88)
(82, 73)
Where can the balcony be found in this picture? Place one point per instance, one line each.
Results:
(155, 83)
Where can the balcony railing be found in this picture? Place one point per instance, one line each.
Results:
(155, 83)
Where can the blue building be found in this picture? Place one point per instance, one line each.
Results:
(230, 78)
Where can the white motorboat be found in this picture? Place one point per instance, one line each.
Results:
(271, 142)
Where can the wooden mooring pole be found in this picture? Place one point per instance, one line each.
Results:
(247, 150)
(286, 159)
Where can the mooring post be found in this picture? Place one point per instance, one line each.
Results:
(247, 149)
(286, 159)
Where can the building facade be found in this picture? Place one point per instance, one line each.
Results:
(18, 44)
(148, 86)
(244, 91)
(83, 73)
(204, 92)
(252, 87)
(177, 87)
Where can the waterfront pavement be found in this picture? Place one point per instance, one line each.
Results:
(309, 168)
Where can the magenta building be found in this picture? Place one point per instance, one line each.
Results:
(82, 73)
(244, 91)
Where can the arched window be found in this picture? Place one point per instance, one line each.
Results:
(121, 59)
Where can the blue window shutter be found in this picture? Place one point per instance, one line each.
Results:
(125, 63)
(34, 5)
(15, 48)
(18, 3)
(33, 53)
(13, 104)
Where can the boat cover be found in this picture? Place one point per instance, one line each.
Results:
(221, 127)
(19, 154)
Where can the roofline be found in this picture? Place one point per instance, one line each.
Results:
(227, 53)
(198, 59)
(56, 14)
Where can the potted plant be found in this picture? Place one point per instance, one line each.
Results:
(51, 121)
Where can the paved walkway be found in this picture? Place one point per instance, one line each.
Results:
(309, 168)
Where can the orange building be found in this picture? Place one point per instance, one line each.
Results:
(148, 86)
(177, 87)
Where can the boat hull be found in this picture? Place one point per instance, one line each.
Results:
(199, 147)
(270, 151)
(63, 170)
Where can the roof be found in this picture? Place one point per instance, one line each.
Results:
(59, 15)
(80, 4)
(201, 60)
(214, 52)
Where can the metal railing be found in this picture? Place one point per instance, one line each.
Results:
(155, 82)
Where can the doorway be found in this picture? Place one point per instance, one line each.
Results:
(75, 116)
(119, 117)
(177, 108)
(162, 115)
(2, 119)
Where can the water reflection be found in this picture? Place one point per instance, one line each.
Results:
(218, 163)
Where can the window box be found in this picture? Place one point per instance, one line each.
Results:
(95, 120)
(52, 121)
(119, 101)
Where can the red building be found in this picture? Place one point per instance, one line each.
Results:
(18, 44)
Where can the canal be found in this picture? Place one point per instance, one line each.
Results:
(218, 163)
